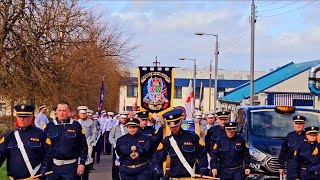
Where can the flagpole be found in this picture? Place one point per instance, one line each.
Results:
(200, 97)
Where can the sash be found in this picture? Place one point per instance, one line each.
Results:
(122, 130)
(25, 155)
(182, 159)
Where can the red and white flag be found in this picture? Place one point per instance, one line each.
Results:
(189, 101)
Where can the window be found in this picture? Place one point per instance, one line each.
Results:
(2, 109)
(129, 108)
(132, 90)
(178, 92)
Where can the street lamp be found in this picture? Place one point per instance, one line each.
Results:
(215, 72)
(194, 78)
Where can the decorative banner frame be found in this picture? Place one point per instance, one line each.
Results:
(155, 88)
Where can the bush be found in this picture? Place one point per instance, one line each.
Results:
(5, 128)
(3, 171)
(5, 119)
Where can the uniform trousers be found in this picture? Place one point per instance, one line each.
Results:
(304, 175)
(291, 170)
(139, 173)
(98, 148)
(231, 174)
(115, 169)
(65, 172)
(107, 146)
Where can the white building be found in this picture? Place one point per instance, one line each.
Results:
(285, 86)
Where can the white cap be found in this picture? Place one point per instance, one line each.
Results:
(90, 111)
(198, 113)
(95, 116)
(110, 113)
(82, 109)
(210, 115)
(209, 112)
(123, 116)
(103, 112)
(43, 107)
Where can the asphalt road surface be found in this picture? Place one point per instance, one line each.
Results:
(103, 169)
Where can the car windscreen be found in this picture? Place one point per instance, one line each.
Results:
(270, 124)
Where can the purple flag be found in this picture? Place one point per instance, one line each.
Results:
(100, 105)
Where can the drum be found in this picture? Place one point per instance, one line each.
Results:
(188, 178)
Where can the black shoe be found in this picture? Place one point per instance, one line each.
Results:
(93, 169)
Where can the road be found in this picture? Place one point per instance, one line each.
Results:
(103, 170)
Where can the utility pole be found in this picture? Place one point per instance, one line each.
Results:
(253, 21)
(210, 84)
(216, 76)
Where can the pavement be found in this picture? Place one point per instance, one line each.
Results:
(103, 169)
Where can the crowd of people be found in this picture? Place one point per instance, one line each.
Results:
(67, 147)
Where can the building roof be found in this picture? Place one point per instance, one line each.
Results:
(269, 80)
(222, 83)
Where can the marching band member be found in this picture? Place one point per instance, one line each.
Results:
(41, 119)
(306, 156)
(116, 132)
(90, 133)
(133, 150)
(144, 128)
(229, 154)
(289, 145)
(216, 132)
(106, 131)
(26, 148)
(183, 147)
(69, 147)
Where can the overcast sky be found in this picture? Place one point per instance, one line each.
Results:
(166, 29)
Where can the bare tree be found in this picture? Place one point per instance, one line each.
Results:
(53, 50)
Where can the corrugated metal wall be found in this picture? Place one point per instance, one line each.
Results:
(289, 99)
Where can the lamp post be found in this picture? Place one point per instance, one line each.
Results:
(215, 72)
(194, 77)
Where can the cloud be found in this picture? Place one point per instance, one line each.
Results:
(166, 29)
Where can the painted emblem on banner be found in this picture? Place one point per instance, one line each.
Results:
(156, 97)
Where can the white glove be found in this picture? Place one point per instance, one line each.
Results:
(117, 162)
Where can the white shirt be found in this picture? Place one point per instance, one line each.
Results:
(102, 121)
(41, 120)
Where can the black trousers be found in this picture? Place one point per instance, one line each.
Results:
(65, 172)
(115, 169)
(107, 146)
(98, 148)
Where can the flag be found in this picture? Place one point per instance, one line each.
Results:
(189, 101)
(201, 98)
(135, 105)
(100, 105)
